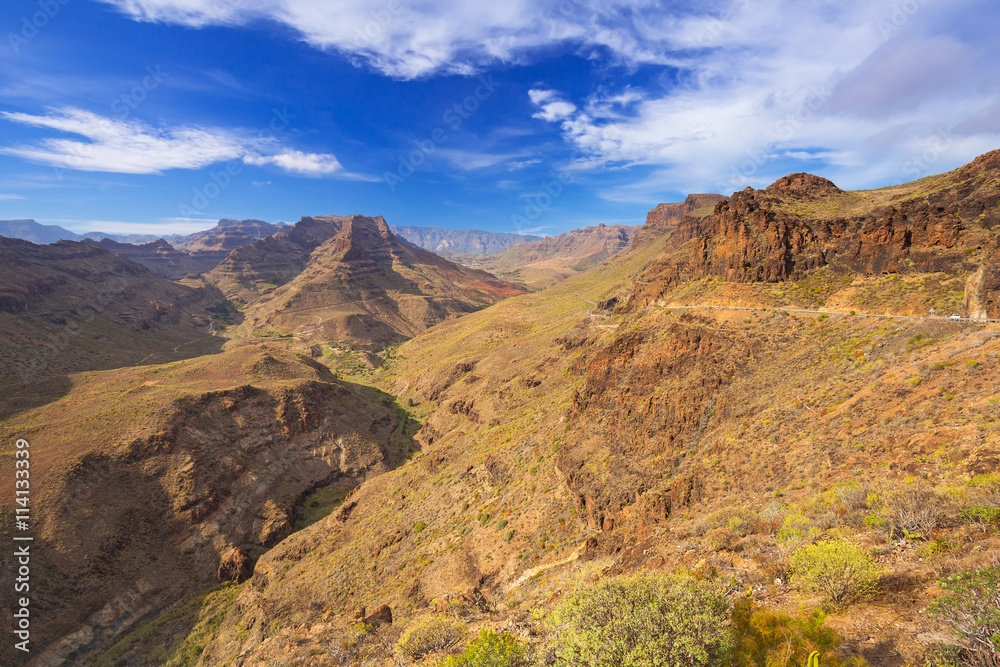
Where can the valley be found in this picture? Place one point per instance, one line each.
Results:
(300, 454)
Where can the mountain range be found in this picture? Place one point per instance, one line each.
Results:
(335, 438)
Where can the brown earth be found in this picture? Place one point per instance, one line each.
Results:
(152, 484)
(160, 257)
(350, 280)
(69, 307)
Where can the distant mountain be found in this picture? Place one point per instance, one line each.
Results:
(468, 241)
(543, 262)
(350, 279)
(160, 257)
(29, 230)
(228, 235)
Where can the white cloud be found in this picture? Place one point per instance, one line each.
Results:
(781, 81)
(4, 197)
(413, 39)
(297, 162)
(132, 147)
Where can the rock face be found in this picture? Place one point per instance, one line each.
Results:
(235, 565)
(680, 216)
(982, 291)
(350, 279)
(467, 241)
(802, 222)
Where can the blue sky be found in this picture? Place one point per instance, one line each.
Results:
(162, 116)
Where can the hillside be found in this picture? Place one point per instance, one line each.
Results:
(157, 483)
(563, 442)
(349, 280)
(465, 241)
(749, 376)
(70, 306)
(546, 261)
(159, 257)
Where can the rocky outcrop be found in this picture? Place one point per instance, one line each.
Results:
(803, 222)
(982, 290)
(228, 235)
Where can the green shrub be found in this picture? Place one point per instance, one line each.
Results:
(972, 609)
(430, 634)
(490, 649)
(645, 620)
(419, 527)
(984, 515)
(766, 638)
(838, 569)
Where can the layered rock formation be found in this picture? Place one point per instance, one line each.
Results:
(351, 280)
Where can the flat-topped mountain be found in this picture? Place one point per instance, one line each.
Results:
(228, 235)
(350, 279)
(464, 241)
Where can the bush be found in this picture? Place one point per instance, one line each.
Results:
(646, 620)
(972, 609)
(490, 649)
(430, 634)
(911, 509)
(838, 569)
(765, 638)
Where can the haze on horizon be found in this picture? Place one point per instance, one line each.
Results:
(162, 116)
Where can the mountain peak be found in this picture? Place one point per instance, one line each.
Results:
(802, 184)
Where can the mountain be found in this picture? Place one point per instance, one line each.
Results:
(29, 230)
(227, 235)
(160, 257)
(157, 483)
(350, 279)
(751, 376)
(68, 307)
(467, 241)
(544, 262)
(564, 441)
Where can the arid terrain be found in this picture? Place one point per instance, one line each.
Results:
(305, 453)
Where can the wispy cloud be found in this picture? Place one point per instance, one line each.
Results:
(410, 40)
(4, 197)
(836, 91)
(133, 147)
